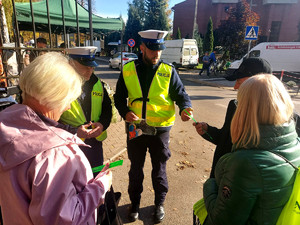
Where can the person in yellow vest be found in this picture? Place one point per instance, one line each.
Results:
(91, 113)
(146, 91)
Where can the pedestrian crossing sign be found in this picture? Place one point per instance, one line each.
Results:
(251, 33)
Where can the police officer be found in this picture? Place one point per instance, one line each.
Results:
(91, 113)
(151, 87)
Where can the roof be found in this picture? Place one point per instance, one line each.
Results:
(100, 24)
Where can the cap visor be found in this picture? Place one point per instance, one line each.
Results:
(233, 76)
(156, 47)
(88, 63)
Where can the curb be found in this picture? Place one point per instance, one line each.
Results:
(208, 83)
(115, 156)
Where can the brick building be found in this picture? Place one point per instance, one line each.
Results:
(279, 19)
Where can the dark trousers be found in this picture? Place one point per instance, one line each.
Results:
(158, 146)
(93, 154)
(205, 67)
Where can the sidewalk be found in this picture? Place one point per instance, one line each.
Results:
(115, 144)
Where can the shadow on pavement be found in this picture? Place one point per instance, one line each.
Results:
(205, 97)
(145, 215)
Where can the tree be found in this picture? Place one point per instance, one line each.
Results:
(84, 4)
(135, 21)
(155, 15)
(231, 32)
(7, 4)
(199, 40)
(178, 34)
(208, 43)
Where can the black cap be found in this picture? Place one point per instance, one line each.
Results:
(249, 68)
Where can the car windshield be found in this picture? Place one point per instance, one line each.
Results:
(130, 55)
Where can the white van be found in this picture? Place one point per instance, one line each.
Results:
(281, 56)
(181, 52)
(96, 43)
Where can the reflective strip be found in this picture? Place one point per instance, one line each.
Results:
(75, 116)
(160, 110)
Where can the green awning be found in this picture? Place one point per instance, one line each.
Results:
(100, 25)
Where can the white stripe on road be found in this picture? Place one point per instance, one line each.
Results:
(224, 106)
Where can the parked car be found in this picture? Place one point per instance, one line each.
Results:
(115, 61)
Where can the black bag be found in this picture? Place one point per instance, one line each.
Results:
(108, 212)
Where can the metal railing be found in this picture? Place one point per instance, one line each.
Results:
(20, 51)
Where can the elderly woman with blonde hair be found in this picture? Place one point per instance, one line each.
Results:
(254, 181)
(45, 178)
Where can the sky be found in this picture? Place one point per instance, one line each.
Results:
(115, 8)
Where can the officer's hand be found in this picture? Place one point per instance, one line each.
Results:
(185, 116)
(83, 131)
(97, 129)
(201, 127)
(130, 117)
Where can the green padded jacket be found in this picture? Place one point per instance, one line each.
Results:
(252, 185)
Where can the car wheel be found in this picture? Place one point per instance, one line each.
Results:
(120, 67)
(109, 65)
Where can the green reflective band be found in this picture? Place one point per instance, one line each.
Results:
(111, 165)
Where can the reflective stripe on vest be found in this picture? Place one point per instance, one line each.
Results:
(75, 116)
(160, 109)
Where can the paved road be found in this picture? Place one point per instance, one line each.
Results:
(191, 158)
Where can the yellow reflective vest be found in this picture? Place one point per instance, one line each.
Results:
(75, 115)
(160, 109)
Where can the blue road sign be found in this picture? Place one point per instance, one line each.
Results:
(131, 43)
(251, 33)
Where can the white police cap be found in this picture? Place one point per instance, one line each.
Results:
(153, 39)
(84, 55)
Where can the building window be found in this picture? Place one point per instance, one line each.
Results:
(275, 31)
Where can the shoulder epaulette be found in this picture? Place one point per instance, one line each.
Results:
(170, 64)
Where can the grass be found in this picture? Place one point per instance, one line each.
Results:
(199, 66)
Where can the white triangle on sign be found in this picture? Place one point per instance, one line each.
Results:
(251, 33)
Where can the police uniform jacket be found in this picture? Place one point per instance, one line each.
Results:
(105, 118)
(145, 76)
(253, 185)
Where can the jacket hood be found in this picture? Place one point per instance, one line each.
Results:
(24, 135)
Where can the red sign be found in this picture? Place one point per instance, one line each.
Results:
(283, 47)
(131, 43)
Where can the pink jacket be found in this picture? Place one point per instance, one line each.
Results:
(44, 176)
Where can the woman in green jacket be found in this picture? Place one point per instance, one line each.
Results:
(253, 183)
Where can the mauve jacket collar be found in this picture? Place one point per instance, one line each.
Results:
(24, 135)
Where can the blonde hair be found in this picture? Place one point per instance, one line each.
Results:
(51, 81)
(262, 100)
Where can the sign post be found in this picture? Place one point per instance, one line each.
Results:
(131, 43)
(251, 34)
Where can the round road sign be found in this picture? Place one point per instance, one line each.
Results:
(131, 43)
